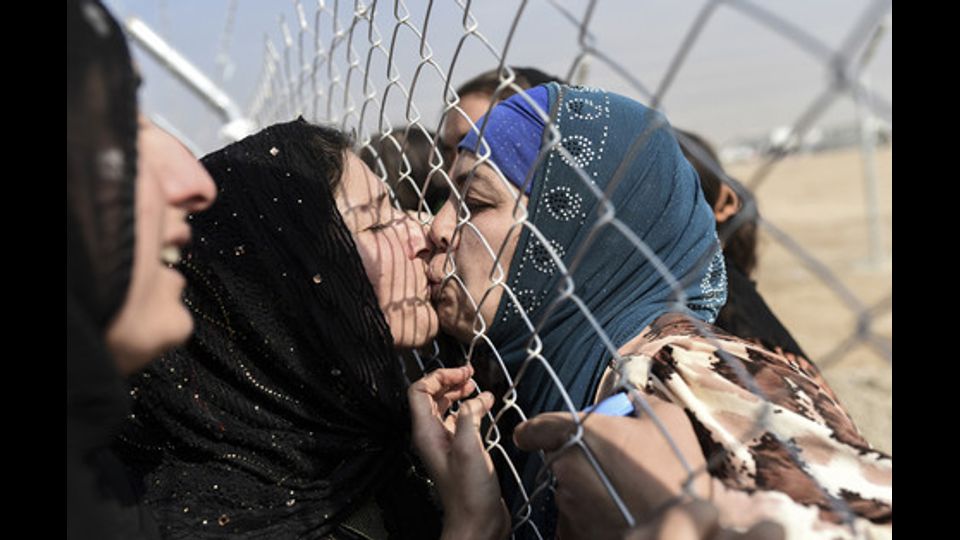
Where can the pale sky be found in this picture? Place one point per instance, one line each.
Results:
(740, 79)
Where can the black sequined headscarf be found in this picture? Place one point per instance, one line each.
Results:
(286, 409)
(101, 183)
(101, 178)
(101, 161)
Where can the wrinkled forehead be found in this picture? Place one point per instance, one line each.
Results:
(471, 173)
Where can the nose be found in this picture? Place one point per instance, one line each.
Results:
(186, 183)
(193, 189)
(444, 225)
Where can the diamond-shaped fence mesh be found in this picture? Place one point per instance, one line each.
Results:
(383, 72)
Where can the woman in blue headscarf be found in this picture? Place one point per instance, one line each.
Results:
(582, 249)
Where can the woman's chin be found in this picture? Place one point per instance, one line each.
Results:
(138, 340)
(177, 328)
(412, 331)
(457, 327)
(452, 319)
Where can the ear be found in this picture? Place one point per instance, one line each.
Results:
(727, 205)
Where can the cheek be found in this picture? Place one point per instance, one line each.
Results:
(149, 226)
(503, 241)
(510, 239)
(372, 257)
(386, 266)
(477, 258)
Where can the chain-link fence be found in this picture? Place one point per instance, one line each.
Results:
(372, 69)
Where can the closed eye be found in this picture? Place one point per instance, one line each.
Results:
(477, 206)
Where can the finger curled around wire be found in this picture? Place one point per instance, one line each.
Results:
(469, 417)
(441, 388)
(546, 432)
(429, 398)
(442, 380)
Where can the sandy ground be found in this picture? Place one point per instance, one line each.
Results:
(819, 200)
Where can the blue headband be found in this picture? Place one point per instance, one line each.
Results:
(512, 135)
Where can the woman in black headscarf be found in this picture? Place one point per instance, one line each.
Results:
(129, 186)
(285, 415)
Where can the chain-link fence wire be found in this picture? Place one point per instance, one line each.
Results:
(356, 64)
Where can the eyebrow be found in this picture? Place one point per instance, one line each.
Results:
(483, 184)
(376, 202)
(384, 192)
(462, 177)
(381, 197)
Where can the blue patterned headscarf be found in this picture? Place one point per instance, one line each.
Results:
(604, 137)
(657, 197)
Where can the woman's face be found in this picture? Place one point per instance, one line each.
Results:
(480, 252)
(394, 249)
(170, 184)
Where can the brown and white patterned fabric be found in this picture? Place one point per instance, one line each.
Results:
(748, 440)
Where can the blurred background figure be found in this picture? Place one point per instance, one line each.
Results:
(406, 157)
(130, 186)
(745, 314)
